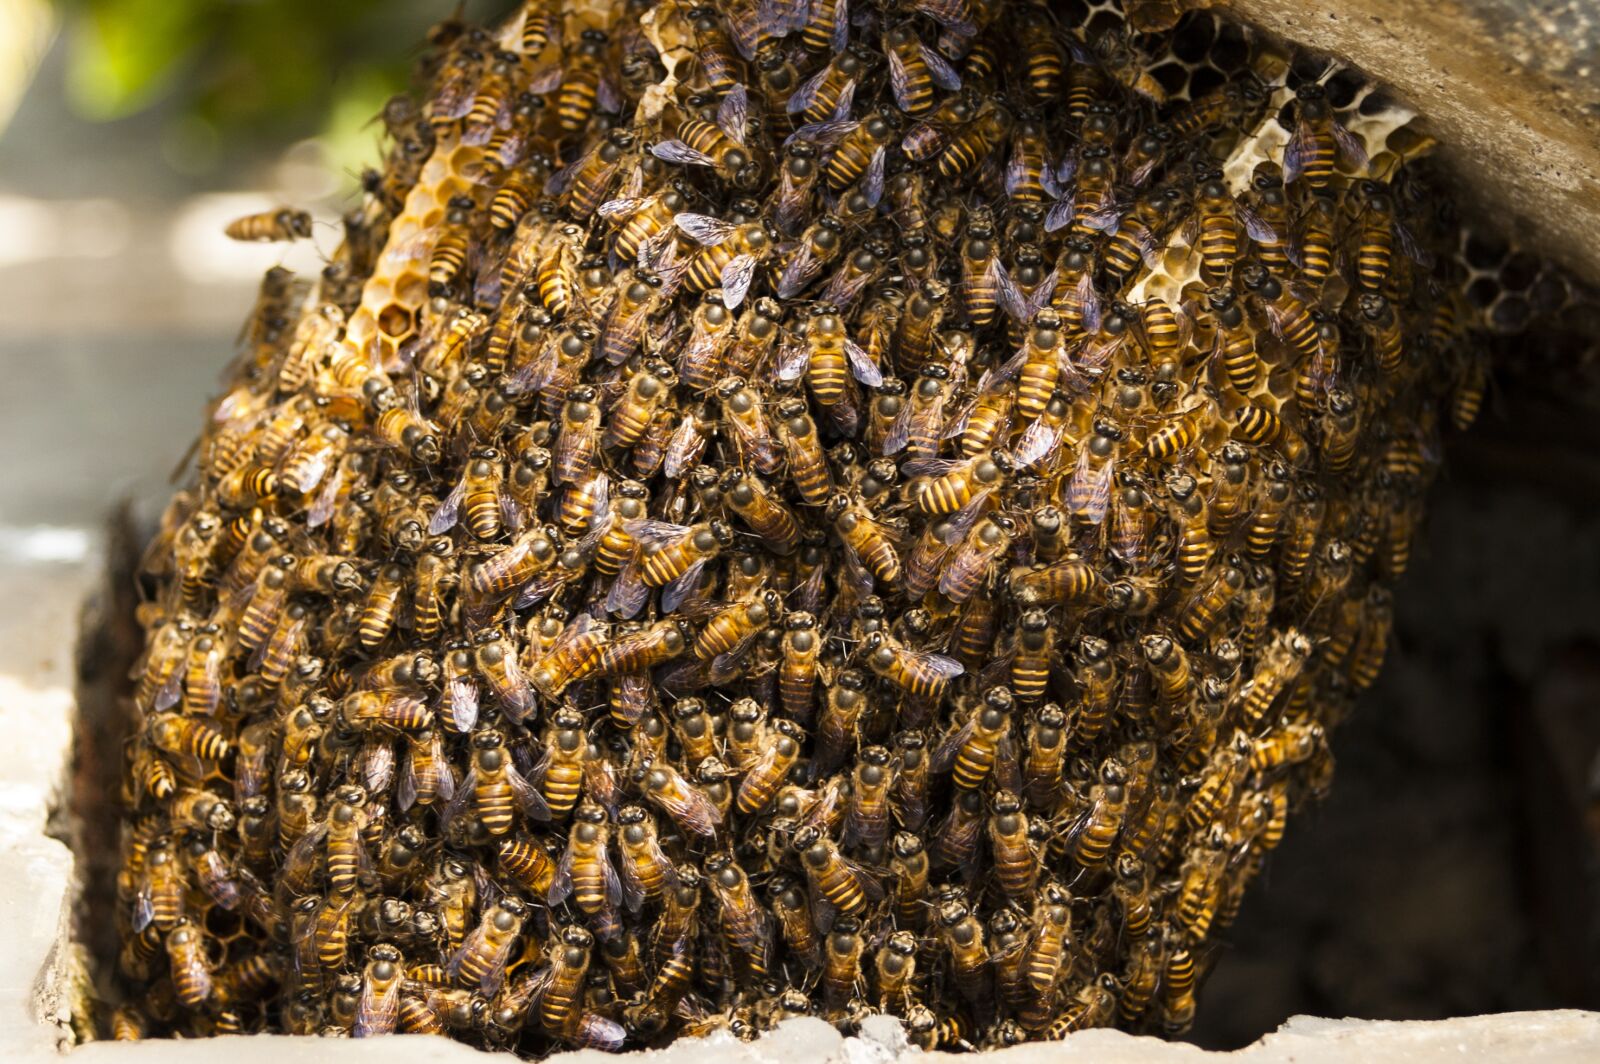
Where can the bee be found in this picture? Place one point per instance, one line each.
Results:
(1031, 655)
(1046, 952)
(747, 425)
(584, 85)
(971, 564)
(481, 959)
(972, 751)
(569, 965)
(1091, 837)
(681, 800)
(915, 69)
(1265, 524)
(895, 971)
(970, 144)
(282, 223)
(742, 917)
(1219, 219)
(868, 546)
(1206, 606)
(1016, 861)
(496, 656)
(1319, 142)
(1202, 880)
(842, 883)
(647, 391)
(192, 980)
(828, 358)
(495, 788)
(718, 144)
(379, 1008)
(1280, 665)
(556, 278)
(958, 485)
(559, 773)
(830, 92)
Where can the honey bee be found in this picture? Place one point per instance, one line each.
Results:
(681, 800)
(282, 223)
(972, 751)
(192, 980)
(379, 1007)
(1320, 141)
(1092, 835)
(718, 144)
(569, 964)
(495, 787)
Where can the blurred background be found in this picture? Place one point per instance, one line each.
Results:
(1453, 870)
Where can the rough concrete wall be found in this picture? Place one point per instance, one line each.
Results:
(1510, 88)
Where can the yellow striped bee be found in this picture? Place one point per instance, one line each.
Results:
(281, 224)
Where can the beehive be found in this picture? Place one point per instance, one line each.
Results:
(779, 511)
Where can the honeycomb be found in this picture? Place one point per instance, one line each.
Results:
(775, 513)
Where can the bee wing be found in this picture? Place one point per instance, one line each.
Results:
(377, 1010)
(1017, 169)
(516, 694)
(945, 754)
(608, 95)
(1352, 149)
(703, 228)
(561, 882)
(1106, 220)
(1294, 154)
(1255, 226)
(1011, 297)
(866, 371)
(733, 112)
(1061, 213)
(1408, 244)
(899, 79)
(212, 683)
(406, 792)
(594, 1031)
(530, 801)
(632, 889)
(840, 36)
(628, 593)
(801, 269)
(377, 767)
(876, 169)
(822, 132)
(1039, 298)
(684, 448)
(944, 75)
(899, 430)
(736, 278)
(322, 507)
(677, 589)
(1040, 440)
(676, 151)
(692, 810)
(1090, 489)
(1089, 299)
(547, 81)
(869, 883)
(455, 805)
(621, 207)
(215, 880)
(557, 183)
(473, 943)
(803, 95)
(444, 518)
(855, 573)
(793, 358)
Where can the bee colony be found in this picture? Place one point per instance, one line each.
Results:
(790, 509)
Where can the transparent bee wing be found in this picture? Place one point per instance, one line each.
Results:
(703, 228)
(462, 693)
(454, 806)
(801, 269)
(900, 80)
(944, 75)
(1254, 226)
(802, 96)
(1089, 300)
(1294, 154)
(899, 430)
(322, 508)
(945, 754)
(621, 207)
(793, 358)
(377, 1010)
(872, 185)
(861, 365)
(676, 151)
(1409, 246)
(736, 278)
(1090, 488)
(1106, 220)
(546, 81)
(627, 594)
(1040, 440)
(608, 95)
(1060, 214)
(840, 37)
(557, 182)
(823, 132)
(529, 800)
(1352, 149)
(444, 518)
(856, 573)
(406, 791)
(676, 590)
(733, 112)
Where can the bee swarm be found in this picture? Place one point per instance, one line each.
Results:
(785, 508)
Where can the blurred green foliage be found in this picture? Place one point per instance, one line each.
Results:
(230, 69)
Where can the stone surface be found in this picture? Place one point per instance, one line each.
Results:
(1509, 88)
